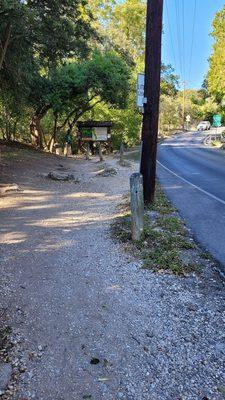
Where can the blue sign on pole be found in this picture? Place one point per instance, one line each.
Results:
(217, 120)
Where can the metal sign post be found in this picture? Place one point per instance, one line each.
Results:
(188, 120)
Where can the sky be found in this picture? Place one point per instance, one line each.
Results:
(187, 52)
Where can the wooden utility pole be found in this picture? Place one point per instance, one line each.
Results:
(151, 94)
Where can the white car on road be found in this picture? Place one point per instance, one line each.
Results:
(204, 126)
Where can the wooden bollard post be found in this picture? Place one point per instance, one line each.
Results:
(121, 153)
(100, 152)
(137, 205)
(88, 152)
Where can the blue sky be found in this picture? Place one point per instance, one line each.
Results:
(177, 37)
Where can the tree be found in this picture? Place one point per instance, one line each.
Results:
(35, 37)
(53, 30)
(17, 64)
(77, 87)
(60, 29)
(123, 26)
(169, 81)
(216, 75)
(127, 26)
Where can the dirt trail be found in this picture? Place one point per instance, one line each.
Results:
(94, 324)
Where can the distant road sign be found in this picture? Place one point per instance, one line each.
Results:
(140, 90)
(217, 120)
(188, 118)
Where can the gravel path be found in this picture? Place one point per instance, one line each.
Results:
(93, 324)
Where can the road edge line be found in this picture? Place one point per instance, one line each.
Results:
(192, 184)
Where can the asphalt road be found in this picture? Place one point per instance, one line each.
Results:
(193, 177)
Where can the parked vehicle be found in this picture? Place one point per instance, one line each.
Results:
(204, 126)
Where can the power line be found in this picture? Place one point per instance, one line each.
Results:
(181, 48)
(192, 40)
(177, 8)
(183, 37)
(170, 33)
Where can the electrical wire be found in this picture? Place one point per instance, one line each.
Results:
(171, 35)
(180, 50)
(183, 40)
(177, 9)
(192, 39)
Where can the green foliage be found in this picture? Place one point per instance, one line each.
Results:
(127, 27)
(35, 37)
(164, 241)
(215, 82)
(123, 26)
(14, 119)
(109, 78)
(61, 28)
(75, 86)
(62, 60)
(17, 63)
(169, 80)
(216, 75)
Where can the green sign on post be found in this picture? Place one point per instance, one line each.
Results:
(217, 120)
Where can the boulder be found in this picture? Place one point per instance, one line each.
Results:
(62, 176)
(108, 172)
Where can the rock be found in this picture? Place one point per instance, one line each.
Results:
(22, 369)
(124, 163)
(61, 176)
(108, 172)
(63, 168)
(5, 375)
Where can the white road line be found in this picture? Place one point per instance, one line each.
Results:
(191, 184)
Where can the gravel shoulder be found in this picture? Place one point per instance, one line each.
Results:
(91, 323)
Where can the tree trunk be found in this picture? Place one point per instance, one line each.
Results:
(51, 143)
(37, 135)
(5, 45)
(53, 138)
(36, 131)
(8, 131)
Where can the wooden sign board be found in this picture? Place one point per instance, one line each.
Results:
(100, 134)
(97, 134)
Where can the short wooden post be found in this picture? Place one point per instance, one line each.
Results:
(121, 153)
(137, 205)
(88, 152)
(100, 152)
(66, 150)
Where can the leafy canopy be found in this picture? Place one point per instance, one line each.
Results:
(216, 75)
(74, 86)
